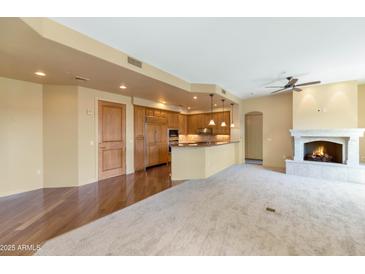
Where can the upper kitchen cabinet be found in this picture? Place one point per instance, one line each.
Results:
(172, 120)
(183, 126)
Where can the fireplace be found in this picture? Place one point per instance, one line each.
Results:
(323, 151)
(331, 154)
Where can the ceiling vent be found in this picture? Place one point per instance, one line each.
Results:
(80, 78)
(134, 62)
(223, 91)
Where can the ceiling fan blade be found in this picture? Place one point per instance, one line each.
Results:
(274, 87)
(292, 81)
(297, 89)
(309, 83)
(278, 90)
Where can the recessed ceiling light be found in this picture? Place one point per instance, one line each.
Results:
(122, 87)
(40, 73)
(195, 97)
(189, 107)
(215, 105)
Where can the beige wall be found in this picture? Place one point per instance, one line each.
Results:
(361, 110)
(326, 106)
(21, 156)
(88, 127)
(277, 120)
(71, 134)
(60, 136)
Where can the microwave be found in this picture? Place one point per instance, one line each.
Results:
(173, 133)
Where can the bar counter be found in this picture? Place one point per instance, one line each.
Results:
(202, 160)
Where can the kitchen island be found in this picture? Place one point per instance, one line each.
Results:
(201, 160)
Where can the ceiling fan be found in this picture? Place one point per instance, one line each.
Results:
(291, 85)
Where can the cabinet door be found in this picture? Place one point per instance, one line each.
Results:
(149, 112)
(157, 112)
(152, 146)
(163, 153)
(162, 134)
(139, 119)
(139, 151)
(151, 134)
(163, 114)
(169, 120)
(206, 119)
(182, 124)
(176, 120)
(192, 124)
(153, 151)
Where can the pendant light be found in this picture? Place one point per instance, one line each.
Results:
(211, 122)
(223, 124)
(232, 124)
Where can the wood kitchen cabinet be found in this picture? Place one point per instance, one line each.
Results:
(196, 121)
(183, 124)
(192, 123)
(150, 132)
(156, 144)
(172, 120)
(139, 140)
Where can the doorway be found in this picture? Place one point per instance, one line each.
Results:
(254, 137)
(111, 139)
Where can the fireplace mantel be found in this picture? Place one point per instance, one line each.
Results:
(349, 170)
(348, 137)
(330, 132)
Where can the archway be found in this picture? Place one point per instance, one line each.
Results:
(254, 137)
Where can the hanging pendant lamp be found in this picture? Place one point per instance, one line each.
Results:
(232, 124)
(223, 124)
(211, 122)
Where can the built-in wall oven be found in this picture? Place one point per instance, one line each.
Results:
(173, 135)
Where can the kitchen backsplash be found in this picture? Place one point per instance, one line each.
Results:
(202, 138)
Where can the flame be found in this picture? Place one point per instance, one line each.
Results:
(319, 151)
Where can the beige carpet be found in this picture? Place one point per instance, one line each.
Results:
(225, 215)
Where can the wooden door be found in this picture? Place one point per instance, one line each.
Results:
(253, 136)
(111, 143)
(139, 140)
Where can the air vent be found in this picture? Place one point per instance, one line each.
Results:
(223, 91)
(134, 62)
(80, 78)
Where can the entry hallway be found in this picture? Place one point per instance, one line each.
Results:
(226, 215)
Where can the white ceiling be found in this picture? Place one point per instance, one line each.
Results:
(242, 55)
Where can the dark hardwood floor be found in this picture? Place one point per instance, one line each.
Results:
(31, 218)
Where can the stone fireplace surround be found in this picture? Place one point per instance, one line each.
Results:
(350, 170)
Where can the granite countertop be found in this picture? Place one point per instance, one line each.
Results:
(204, 144)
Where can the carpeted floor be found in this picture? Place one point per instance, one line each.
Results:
(226, 215)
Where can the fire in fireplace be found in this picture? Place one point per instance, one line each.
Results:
(323, 151)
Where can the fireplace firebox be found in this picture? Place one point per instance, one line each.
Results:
(323, 151)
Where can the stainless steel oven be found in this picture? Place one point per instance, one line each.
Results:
(173, 135)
